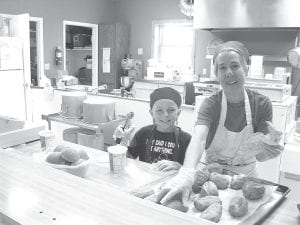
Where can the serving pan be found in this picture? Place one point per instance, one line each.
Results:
(258, 210)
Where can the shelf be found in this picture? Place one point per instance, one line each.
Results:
(269, 58)
(80, 49)
(56, 117)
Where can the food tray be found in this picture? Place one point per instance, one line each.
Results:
(258, 210)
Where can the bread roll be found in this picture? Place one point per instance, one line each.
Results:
(238, 206)
(59, 148)
(253, 190)
(212, 213)
(83, 154)
(204, 202)
(220, 180)
(201, 177)
(209, 188)
(237, 181)
(55, 158)
(70, 155)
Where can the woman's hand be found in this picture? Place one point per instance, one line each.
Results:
(166, 165)
(274, 136)
(123, 134)
(180, 184)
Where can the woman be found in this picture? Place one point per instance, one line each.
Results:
(233, 127)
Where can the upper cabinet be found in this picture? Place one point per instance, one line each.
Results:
(210, 14)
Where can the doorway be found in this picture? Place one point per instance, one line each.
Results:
(36, 51)
(80, 50)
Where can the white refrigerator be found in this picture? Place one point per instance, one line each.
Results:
(12, 88)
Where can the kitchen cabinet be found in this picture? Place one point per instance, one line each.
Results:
(290, 169)
(116, 37)
(283, 117)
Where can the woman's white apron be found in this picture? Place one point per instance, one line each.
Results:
(226, 143)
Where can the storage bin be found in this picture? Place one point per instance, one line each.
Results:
(70, 134)
(89, 138)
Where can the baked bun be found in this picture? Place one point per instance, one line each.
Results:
(237, 181)
(212, 213)
(83, 154)
(252, 190)
(220, 180)
(238, 206)
(70, 155)
(54, 158)
(59, 148)
(204, 202)
(209, 188)
(201, 177)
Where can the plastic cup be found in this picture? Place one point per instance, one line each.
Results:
(117, 158)
(47, 138)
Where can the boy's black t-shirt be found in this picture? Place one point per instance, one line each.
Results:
(162, 147)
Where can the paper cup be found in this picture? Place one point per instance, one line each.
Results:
(117, 158)
(47, 139)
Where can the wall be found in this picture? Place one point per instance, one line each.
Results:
(140, 14)
(54, 12)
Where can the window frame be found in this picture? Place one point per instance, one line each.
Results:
(156, 23)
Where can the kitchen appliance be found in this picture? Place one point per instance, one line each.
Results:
(127, 82)
(132, 70)
(276, 92)
(207, 88)
(12, 88)
(81, 40)
(159, 73)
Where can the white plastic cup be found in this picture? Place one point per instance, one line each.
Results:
(117, 158)
(47, 138)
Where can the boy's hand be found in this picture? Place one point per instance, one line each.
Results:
(123, 134)
(166, 165)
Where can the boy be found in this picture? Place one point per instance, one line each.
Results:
(162, 142)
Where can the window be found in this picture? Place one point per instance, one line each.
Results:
(173, 45)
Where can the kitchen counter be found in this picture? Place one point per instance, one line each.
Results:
(180, 83)
(33, 193)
